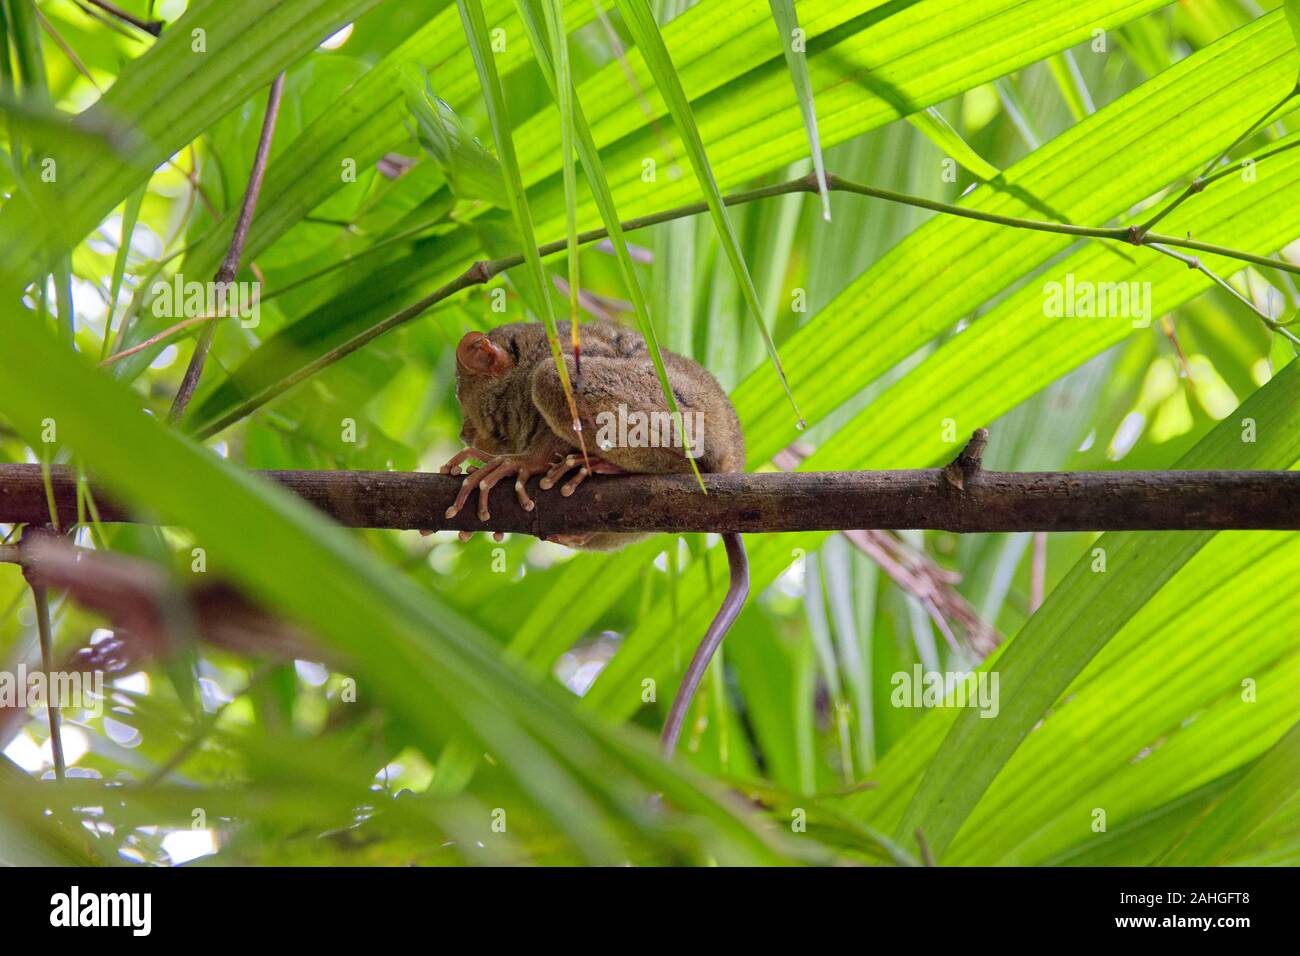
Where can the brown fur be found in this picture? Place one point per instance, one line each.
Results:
(525, 408)
(524, 411)
(515, 412)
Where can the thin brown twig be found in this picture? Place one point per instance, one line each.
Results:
(230, 265)
(196, 187)
(1171, 333)
(162, 336)
(107, 21)
(152, 27)
(927, 857)
(930, 586)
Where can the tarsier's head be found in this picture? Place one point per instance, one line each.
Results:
(494, 366)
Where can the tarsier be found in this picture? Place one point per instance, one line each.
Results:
(517, 422)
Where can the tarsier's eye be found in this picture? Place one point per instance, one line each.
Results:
(479, 355)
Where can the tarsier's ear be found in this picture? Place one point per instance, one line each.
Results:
(479, 355)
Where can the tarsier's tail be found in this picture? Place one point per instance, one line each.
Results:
(737, 592)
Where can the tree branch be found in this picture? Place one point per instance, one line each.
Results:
(914, 571)
(230, 264)
(748, 503)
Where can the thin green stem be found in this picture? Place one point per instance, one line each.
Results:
(564, 98)
(1217, 250)
(484, 270)
(1229, 170)
(1192, 262)
(348, 260)
(142, 293)
(130, 216)
(49, 489)
(839, 184)
(84, 493)
(1200, 182)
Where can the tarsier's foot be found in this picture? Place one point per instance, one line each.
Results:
(522, 467)
(486, 477)
(452, 467)
(594, 465)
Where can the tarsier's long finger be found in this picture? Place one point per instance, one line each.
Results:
(559, 470)
(454, 463)
(472, 481)
(491, 482)
(464, 535)
(570, 486)
(486, 487)
(521, 492)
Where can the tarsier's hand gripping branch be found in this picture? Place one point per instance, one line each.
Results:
(517, 423)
